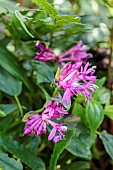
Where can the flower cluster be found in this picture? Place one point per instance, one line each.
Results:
(74, 78)
(44, 54)
(77, 80)
(37, 123)
(75, 54)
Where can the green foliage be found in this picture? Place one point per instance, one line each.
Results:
(79, 110)
(103, 95)
(107, 140)
(80, 165)
(9, 84)
(80, 145)
(100, 82)
(94, 115)
(11, 64)
(2, 114)
(23, 154)
(62, 20)
(58, 149)
(8, 108)
(109, 111)
(46, 7)
(18, 22)
(42, 72)
(9, 163)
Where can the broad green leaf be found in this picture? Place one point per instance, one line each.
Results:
(108, 110)
(7, 163)
(39, 14)
(66, 19)
(94, 115)
(80, 165)
(100, 82)
(44, 26)
(46, 7)
(2, 114)
(34, 143)
(19, 22)
(9, 62)
(107, 140)
(8, 108)
(25, 155)
(80, 145)
(5, 41)
(102, 95)
(42, 72)
(9, 84)
(7, 123)
(79, 111)
(80, 99)
(58, 149)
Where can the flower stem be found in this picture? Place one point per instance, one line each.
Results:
(55, 91)
(44, 91)
(42, 147)
(19, 105)
(40, 110)
(98, 133)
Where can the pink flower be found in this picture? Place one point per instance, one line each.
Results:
(55, 109)
(57, 128)
(76, 54)
(44, 54)
(36, 124)
(77, 80)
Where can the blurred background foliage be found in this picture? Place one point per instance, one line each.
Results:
(20, 28)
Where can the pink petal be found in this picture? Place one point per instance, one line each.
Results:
(52, 134)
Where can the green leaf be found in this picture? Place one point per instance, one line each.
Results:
(9, 62)
(66, 19)
(8, 108)
(9, 163)
(79, 111)
(100, 82)
(80, 99)
(107, 140)
(9, 84)
(46, 7)
(102, 95)
(19, 22)
(80, 165)
(25, 155)
(59, 147)
(108, 110)
(94, 115)
(42, 72)
(2, 114)
(80, 145)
